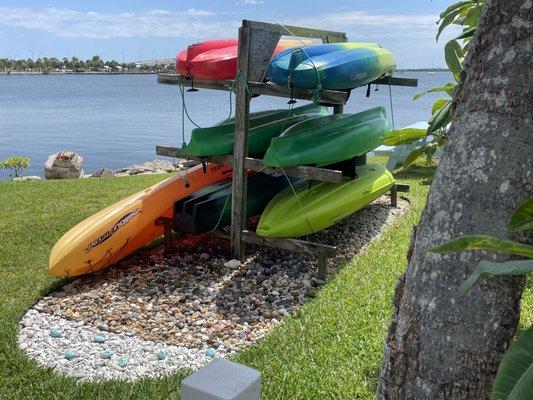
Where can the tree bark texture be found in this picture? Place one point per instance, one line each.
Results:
(441, 345)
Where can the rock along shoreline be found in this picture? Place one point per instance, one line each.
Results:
(69, 165)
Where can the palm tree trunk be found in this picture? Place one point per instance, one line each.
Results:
(441, 345)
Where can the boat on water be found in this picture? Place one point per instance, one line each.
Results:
(313, 207)
(324, 140)
(264, 125)
(336, 66)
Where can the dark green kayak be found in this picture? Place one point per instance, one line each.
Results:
(210, 207)
(218, 140)
(328, 139)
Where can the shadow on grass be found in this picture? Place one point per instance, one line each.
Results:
(417, 172)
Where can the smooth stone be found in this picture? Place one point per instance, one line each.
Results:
(122, 362)
(161, 355)
(232, 264)
(70, 354)
(99, 339)
(106, 354)
(210, 352)
(55, 333)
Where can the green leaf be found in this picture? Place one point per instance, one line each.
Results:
(439, 119)
(467, 33)
(522, 218)
(517, 267)
(453, 54)
(447, 20)
(403, 136)
(472, 16)
(416, 153)
(439, 103)
(448, 88)
(514, 380)
(485, 242)
(453, 7)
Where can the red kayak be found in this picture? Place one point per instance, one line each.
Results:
(217, 59)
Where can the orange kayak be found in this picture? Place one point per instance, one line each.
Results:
(120, 229)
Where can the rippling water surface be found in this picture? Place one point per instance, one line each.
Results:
(116, 120)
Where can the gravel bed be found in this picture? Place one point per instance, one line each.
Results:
(185, 307)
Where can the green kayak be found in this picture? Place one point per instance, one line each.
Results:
(264, 125)
(328, 139)
(322, 204)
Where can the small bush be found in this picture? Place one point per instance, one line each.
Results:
(15, 164)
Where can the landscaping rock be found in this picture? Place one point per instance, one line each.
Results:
(149, 167)
(103, 173)
(27, 178)
(185, 164)
(64, 165)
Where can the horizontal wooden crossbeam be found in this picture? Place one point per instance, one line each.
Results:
(298, 31)
(327, 97)
(300, 246)
(304, 172)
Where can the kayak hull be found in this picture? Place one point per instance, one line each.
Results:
(322, 204)
(210, 208)
(328, 139)
(219, 139)
(118, 230)
(335, 66)
(217, 59)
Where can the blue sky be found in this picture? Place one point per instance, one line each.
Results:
(133, 30)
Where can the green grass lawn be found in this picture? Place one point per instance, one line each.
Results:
(330, 350)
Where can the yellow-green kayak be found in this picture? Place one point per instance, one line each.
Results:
(322, 204)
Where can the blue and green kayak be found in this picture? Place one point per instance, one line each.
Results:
(336, 66)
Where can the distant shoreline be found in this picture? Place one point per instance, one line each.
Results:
(79, 73)
(156, 72)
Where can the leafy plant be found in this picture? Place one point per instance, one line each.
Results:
(514, 380)
(15, 164)
(466, 15)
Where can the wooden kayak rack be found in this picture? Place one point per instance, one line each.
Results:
(257, 41)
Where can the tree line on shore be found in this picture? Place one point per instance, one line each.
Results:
(75, 65)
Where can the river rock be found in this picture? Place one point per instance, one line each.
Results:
(64, 165)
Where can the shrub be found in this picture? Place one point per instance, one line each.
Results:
(15, 164)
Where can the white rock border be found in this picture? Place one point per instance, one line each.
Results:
(88, 364)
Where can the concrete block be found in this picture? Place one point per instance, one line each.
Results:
(222, 380)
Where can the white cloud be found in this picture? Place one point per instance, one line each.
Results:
(249, 2)
(196, 23)
(192, 23)
(361, 24)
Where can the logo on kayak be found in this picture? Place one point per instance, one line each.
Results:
(119, 224)
(358, 76)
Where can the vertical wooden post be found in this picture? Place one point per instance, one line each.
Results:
(338, 109)
(322, 265)
(240, 149)
(394, 196)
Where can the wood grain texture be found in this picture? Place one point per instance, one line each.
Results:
(240, 148)
(304, 172)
